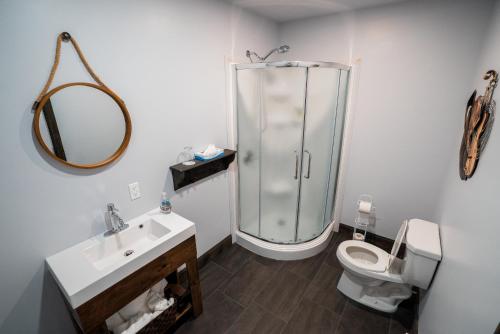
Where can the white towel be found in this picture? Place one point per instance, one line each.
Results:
(138, 322)
(140, 304)
(156, 297)
(159, 287)
(135, 307)
(138, 313)
(115, 321)
(158, 303)
(121, 328)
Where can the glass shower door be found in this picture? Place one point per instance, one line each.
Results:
(319, 134)
(282, 119)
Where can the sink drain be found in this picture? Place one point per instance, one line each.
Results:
(128, 252)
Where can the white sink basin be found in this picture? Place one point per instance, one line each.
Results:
(90, 267)
(117, 247)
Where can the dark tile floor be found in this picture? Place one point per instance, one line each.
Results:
(246, 293)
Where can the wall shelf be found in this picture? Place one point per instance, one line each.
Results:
(183, 175)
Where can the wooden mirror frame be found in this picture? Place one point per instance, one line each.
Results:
(107, 161)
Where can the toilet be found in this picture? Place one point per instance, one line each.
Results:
(381, 280)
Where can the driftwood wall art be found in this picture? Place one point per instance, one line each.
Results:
(479, 117)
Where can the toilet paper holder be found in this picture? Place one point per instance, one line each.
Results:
(365, 210)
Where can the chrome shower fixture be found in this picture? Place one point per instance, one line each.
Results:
(281, 49)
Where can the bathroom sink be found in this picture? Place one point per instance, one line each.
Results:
(90, 267)
(117, 247)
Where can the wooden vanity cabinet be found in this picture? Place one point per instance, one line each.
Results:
(91, 316)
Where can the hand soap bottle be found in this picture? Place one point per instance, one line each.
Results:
(165, 205)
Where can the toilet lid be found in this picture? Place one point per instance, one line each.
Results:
(397, 242)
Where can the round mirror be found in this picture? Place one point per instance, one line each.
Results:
(82, 125)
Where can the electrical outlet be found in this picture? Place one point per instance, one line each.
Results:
(134, 190)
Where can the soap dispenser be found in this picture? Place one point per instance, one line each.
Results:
(165, 205)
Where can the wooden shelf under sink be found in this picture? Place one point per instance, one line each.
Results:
(182, 313)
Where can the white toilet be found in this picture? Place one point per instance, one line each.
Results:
(380, 280)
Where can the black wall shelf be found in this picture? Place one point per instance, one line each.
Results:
(185, 175)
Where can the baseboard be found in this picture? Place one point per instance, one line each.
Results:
(214, 251)
(207, 256)
(369, 235)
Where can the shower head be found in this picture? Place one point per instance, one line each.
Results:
(281, 49)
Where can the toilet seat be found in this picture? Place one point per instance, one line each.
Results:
(363, 256)
(397, 243)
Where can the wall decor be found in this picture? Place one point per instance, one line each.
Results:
(479, 118)
(80, 124)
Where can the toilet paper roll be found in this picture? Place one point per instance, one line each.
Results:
(364, 207)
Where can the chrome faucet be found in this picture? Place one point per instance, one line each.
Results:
(114, 220)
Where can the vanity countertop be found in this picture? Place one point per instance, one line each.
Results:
(90, 267)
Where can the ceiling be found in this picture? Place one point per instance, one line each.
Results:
(287, 10)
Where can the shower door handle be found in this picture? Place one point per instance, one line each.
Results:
(296, 176)
(308, 172)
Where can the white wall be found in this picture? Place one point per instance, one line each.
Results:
(413, 68)
(464, 296)
(166, 59)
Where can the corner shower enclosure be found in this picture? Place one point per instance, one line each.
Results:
(290, 118)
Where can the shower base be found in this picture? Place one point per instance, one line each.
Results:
(286, 251)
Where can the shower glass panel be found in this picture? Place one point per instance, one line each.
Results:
(282, 118)
(248, 99)
(319, 132)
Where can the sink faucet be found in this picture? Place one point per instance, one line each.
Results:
(114, 220)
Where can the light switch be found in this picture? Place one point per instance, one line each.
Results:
(134, 190)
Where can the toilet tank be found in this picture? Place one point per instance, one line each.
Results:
(423, 253)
